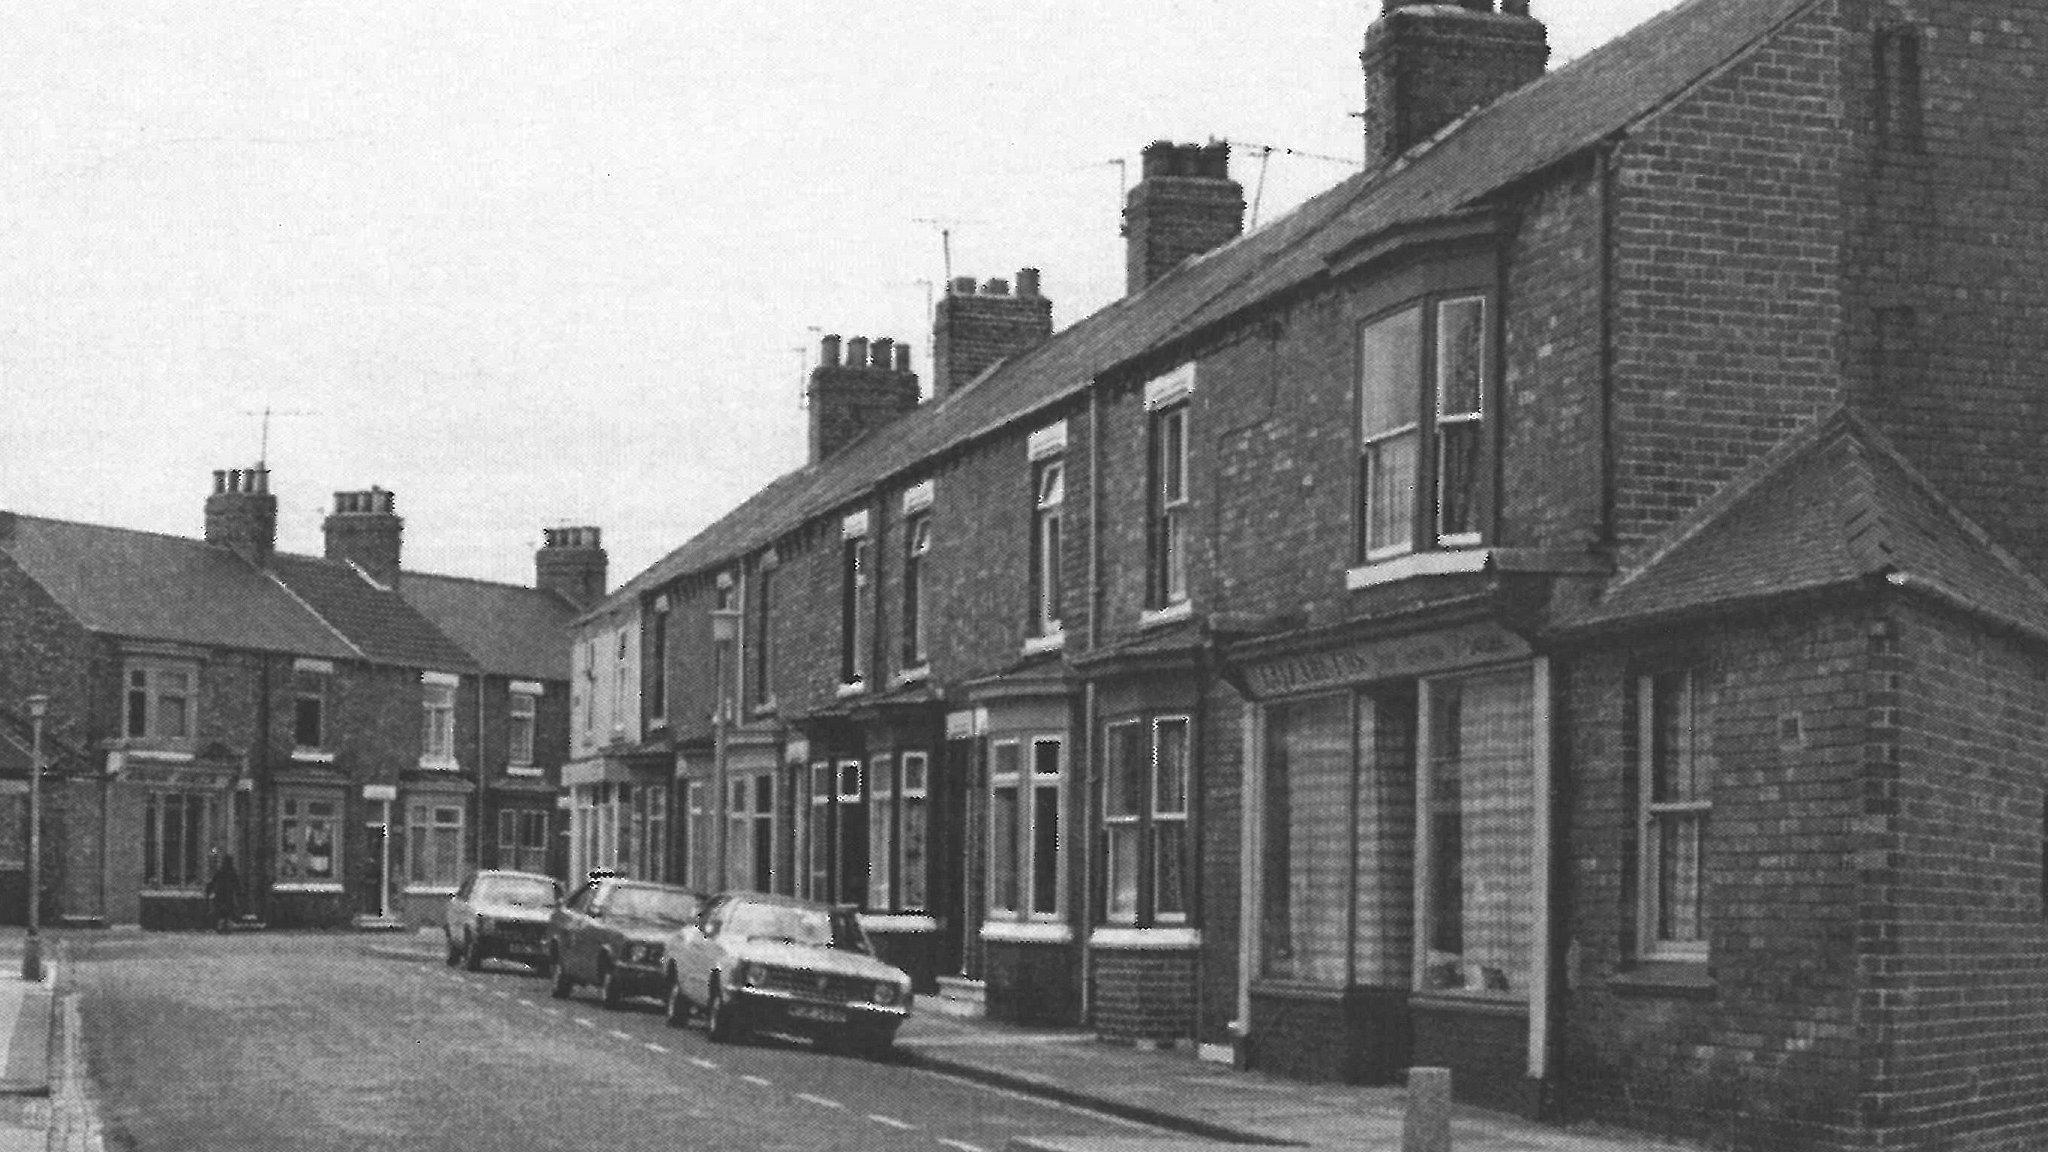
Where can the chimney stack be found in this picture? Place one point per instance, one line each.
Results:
(973, 329)
(1428, 63)
(571, 563)
(365, 530)
(242, 514)
(854, 394)
(1185, 204)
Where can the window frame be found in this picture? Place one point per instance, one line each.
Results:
(856, 573)
(764, 636)
(437, 722)
(1141, 824)
(1167, 501)
(309, 687)
(881, 802)
(1424, 519)
(522, 715)
(656, 705)
(146, 682)
(917, 546)
(1048, 514)
(198, 821)
(297, 808)
(427, 825)
(1652, 814)
(1014, 781)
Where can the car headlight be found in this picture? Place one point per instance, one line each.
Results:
(887, 994)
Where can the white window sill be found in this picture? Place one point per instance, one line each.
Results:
(1050, 642)
(886, 922)
(1128, 939)
(524, 770)
(193, 893)
(429, 890)
(1027, 932)
(311, 756)
(157, 755)
(917, 675)
(1172, 613)
(853, 688)
(1414, 564)
(306, 886)
(436, 765)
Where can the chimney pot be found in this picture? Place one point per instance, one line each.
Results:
(857, 352)
(1027, 282)
(220, 479)
(903, 357)
(963, 285)
(996, 286)
(882, 353)
(828, 352)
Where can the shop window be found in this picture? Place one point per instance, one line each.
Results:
(917, 546)
(1477, 835)
(162, 701)
(1422, 427)
(521, 717)
(433, 832)
(437, 722)
(177, 828)
(1049, 488)
(1167, 498)
(308, 840)
(523, 840)
(1674, 778)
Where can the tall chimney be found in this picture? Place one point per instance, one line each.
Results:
(1184, 205)
(1428, 63)
(972, 329)
(242, 514)
(365, 530)
(571, 563)
(854, 394)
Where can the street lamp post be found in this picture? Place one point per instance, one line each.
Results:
(725, 631)
(32, 950)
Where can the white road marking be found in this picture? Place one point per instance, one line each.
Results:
(587, 1023)
(962, 1145)
(763, 1081)
(651, 1046)
(891, 1121)
(528, 1003)
(820, 1101)
(619, 1034)
(701, 1062)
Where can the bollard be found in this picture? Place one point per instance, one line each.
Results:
(1427, 1126)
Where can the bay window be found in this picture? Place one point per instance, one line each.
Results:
(433, 843)
(1422, 382)
(308, 839)
(177, 828)
(1145, 820)
(1027, 867)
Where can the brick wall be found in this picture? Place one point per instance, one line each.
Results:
(1727, 305)
(1765, 1053)
(1954, 1001)
(42, 649)
(1143, 995)
(1956, 230)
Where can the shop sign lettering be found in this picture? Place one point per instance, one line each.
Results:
(1397, 658)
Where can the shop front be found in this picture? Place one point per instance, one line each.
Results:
(1398, 861)
(170, 818)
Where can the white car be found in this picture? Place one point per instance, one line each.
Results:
(502, 914)
(777, 964)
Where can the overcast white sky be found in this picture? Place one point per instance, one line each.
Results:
(532, 263)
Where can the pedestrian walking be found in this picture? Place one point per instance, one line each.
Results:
(225, 889)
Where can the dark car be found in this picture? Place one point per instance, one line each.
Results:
(785, 965)
(500, 914)
(611, 933)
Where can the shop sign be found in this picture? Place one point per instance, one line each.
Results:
(167, 776)
(1394, 659)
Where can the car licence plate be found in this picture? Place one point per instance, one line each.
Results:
(821, 1015)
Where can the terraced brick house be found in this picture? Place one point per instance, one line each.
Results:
(1565, 604)
(358, 737)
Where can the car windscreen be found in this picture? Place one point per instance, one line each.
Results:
(660, 905)
(518, 891)
(814, 927)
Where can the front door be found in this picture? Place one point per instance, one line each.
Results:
(374, 895)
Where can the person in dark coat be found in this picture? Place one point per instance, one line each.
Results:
(225, 889)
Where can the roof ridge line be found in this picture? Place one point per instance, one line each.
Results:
(315, 613)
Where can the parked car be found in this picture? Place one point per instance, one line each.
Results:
(502, 914)
(611, 933)
(779, 964)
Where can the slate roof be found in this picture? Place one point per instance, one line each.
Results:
(155, 587)
(509, 630)
(1525, 132)
(1834, 505)
(377, 621)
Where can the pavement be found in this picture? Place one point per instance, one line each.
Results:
(1186, 1097)
(28, 1054)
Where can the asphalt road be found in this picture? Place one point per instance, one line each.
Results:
(313, 1042)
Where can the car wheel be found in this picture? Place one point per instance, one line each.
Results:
(610, 991)
(721, 1021)
(454, 950)
(472, 952)
(678, 1004)
(563, 985)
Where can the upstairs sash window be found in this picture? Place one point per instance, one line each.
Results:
(1422, 385)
